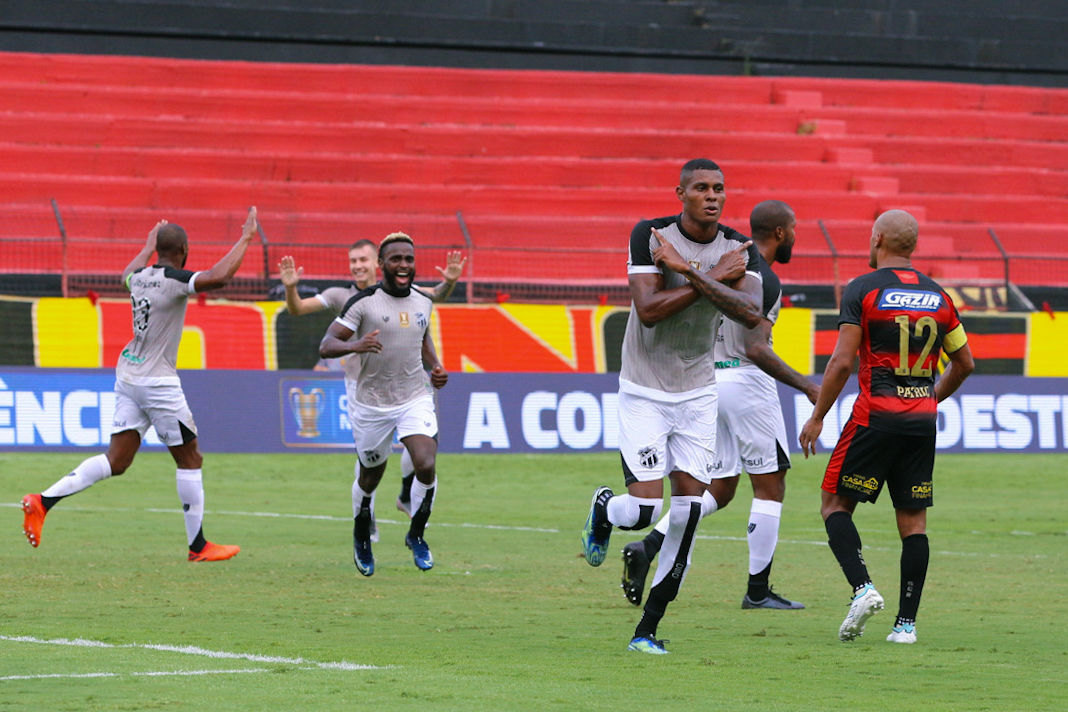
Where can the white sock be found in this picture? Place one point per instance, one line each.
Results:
(625, 510)
(91, 471)
(709, 505)
(358, 495)
(191, 494)
(677, 550)
(763, 533)
(419, 491)
(407, 466)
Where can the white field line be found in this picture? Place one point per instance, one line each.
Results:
(468, 525)
(181, 673)
(192, 650)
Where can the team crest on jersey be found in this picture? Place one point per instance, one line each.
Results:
(404, 322)
(648, 457)
(420, 320)
(907, 299)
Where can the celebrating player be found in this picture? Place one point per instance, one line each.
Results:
(679, 270)
(899, 320)
(749, 430)
(362, 263)
(147, 388)
(388, 326)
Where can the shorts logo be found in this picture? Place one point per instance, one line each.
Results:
(922, 490)
(371, 456)
(857, 482)
(916, 301)
(756, 462)
(648, 457)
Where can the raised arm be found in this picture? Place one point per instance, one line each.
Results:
(835, 376)
(142, 258)
(450, 274)
(290, 276)
(225, 269)
(758, 350)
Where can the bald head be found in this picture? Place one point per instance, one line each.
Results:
(171, 240)
(899, 230)
(767, 216)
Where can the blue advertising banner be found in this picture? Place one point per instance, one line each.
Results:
(305, 411)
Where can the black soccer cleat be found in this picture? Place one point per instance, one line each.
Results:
(774, 601)
(635, 570)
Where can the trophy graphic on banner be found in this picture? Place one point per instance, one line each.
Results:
(307, 407)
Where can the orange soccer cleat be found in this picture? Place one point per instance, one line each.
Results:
(215, 552)
(33, 519)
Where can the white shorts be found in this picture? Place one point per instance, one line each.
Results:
(656, 438)
(750, 429)
(373, 428)
(163, 407)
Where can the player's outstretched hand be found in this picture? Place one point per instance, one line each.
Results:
(439, 377)
(810, 433)
(368, 344)
(454, 266)
(251, 225)
(731, 266)
(151, 242)
(288, 272)
(667, 256)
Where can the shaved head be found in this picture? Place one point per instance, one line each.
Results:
(767, 216)
(171, 239)
(899, 230)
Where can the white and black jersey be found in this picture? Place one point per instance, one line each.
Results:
(159, 296)
(730, 342)
(335, 299)
(673, 360)
(395, 375)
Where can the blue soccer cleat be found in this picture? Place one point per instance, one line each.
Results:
(424, 560)
(598, 529)
(362, 556)
(647, 644)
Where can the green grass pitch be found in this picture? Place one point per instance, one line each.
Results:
(108, 615)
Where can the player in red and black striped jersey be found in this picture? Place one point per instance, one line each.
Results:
(900, 321)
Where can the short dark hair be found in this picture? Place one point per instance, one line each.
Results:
(171, 239)
(697, 164)
(767, 216)
(361, 243)
(392, 238)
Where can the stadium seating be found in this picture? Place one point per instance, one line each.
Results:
(515, 166)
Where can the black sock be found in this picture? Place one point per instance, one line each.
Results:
(652, 542)
(844, 539)
(647, 625)
(49, 502)
(199, 542)
(758, 584)
(915, 555)
(406, 488)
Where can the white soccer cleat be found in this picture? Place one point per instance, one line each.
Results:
(866, 603)
(905, 633)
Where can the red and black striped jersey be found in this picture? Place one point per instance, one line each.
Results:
(906, 321)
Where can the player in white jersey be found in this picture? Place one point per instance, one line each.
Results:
(362, 262)
(750, 430)
(388, 327)
(148, 391)
(684, 272)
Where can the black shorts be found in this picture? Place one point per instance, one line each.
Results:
(864, 459)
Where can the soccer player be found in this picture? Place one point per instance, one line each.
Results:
(391, 325)
(680, 271)
(750, 430)
(362, 264)
(899, 320)
(147, 388)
